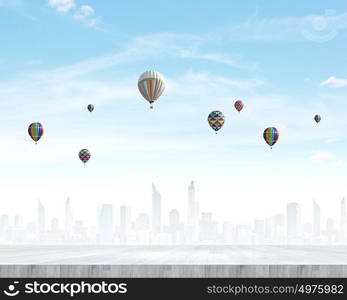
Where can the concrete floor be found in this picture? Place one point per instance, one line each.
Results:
(180, 261)
(176, 255)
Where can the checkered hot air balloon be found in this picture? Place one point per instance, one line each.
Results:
(84, 155)
(151, 85)
(239, 105)
(271, 136)
(35, 131)
(216, 120)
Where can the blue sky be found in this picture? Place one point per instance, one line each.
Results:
(286, 61)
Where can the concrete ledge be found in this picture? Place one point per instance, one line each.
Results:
(167, 271)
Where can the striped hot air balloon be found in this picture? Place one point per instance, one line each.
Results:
(239, 105)
(35, 131)
(271, 136)
(151, 85)
(216, 120)
(84, 155)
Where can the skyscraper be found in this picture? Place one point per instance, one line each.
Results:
(316, 219)
(193, 215)
(174, 225)
(68, 218)
(125, 222)
(41, 219)
(293, 220)
(105, 224)
(193, 209)
(174, 220)
(156, 210)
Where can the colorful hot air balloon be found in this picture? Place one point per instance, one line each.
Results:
(90, 107)
(151, 85)
(317, 118)
(216, 120)
(239, 105)
(84, 155)
(271, 136)
(35, 131)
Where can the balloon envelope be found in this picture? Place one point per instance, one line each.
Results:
(317, 118)
(151, 85)
(271, 136)
(90, 107)
(239, 105)
(35, 131)
(216, 120)
(84, 155)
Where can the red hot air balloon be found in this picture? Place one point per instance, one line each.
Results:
(239, 105)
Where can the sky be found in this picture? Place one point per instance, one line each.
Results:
(286, 61)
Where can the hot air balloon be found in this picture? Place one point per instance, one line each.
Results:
(271, 136)
(239, 105)
(317, 118)
(216, 120)
(35, 131)
(90, 107)
(151, 85)
(84, 155)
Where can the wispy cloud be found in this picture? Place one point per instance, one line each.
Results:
(85, 14)
(62, 6)
(333, 82)
(315, 28)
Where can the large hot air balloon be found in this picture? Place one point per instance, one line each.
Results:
(90, 107)
(216, 120)
(151, 85)
(84, 155)
(35, 131)
(317, 118)
(271, 136)
(239, 105)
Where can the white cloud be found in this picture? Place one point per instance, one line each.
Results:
(86, 15)
(62, 6)
(321, 156)
(315, 28)
(333, 82)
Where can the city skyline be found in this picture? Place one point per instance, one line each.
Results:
(121, 227)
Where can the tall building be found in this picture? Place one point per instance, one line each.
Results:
(125, 223)
(41, 219)
(192, 232)
(142, 222)
(343, 221)
(174, 225)
(156, 210)
(208, 228)
(293, 220)
(105, 224)
(193, 207)
(174, 220)
(316, 219)
(68, 218)
(4, 224)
